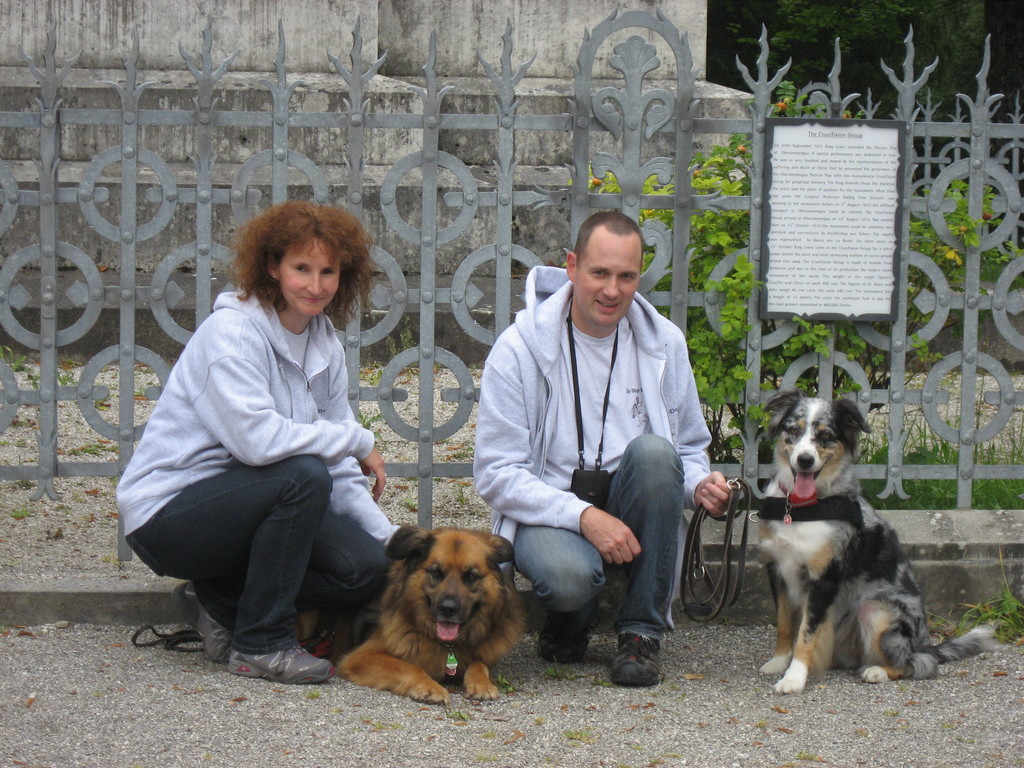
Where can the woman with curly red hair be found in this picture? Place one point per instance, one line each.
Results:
(250, 481)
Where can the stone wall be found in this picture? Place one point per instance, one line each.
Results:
(551, 30)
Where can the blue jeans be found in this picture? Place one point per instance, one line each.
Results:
(259, 545)
(567, 572)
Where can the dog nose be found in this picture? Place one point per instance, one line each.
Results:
(448, 607)
(805, 461)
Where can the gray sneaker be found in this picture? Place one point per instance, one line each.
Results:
(294, 666)
(216, 638)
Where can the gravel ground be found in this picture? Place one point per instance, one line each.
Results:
(84, 696)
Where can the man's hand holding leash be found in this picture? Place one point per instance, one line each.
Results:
(617, 543)
(713, 494)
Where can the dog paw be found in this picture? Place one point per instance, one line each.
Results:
(487, 692)
(429, 693)
(775, 666)
(789, 684)
(874, 675)
(794, 680)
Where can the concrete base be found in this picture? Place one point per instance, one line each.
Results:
(961, 557)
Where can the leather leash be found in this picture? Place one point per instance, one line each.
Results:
(183, 640)
(704, 596)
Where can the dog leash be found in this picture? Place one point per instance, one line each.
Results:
(182, 640)
(704, 596)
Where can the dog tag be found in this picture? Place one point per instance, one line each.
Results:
(451, 665)
(788, 519)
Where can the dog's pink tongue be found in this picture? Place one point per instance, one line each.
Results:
(447, 631)
(803, 487)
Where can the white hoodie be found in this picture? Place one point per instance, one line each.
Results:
(236, 396)
(513, 432)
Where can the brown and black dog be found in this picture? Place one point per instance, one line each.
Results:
(448, 613)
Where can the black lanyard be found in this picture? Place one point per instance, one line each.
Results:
(576, 391)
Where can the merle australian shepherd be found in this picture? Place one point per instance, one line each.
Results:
(845, 593)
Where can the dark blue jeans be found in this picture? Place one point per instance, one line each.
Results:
(566, 570)
(259, 545)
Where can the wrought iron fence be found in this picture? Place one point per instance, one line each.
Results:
(85, 234)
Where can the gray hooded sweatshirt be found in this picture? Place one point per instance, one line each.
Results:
(513, 431)
(236, 396)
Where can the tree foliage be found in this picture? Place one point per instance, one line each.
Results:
(869, 32)
(1005, 23)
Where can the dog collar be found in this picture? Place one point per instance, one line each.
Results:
(801, 501)
(844, 508)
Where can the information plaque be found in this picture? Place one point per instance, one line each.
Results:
(831, 230)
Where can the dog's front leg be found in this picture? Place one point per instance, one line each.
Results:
(814, 641)
(376, 669)
(477, 682)
(785, 620)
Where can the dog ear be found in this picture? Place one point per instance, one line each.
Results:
(501, 550)
(409, 541)
(778, 406)
(850, 421)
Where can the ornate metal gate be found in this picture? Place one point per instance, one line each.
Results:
(430, 203)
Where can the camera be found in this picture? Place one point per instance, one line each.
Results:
(591, 485)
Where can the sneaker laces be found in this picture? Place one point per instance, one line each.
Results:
(637, 646)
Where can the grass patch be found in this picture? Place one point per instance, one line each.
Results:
(97, 448)
(581, 736)
(942, 494)
(504, 684)
(560, 673)
(1005, 612)
(924, 448)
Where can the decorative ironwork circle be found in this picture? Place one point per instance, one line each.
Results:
(408, 358)
(961, 169)
(460, 282)
(1000, 301)
(1002, 416)
(941, 289)
(713, 310)
(162, 276)
(399, 298)
(659, 237)
(76, 330)
(87, 194)
(713, 306)
(265, 159)
(389, 197)
(840, 360)
(87, 389)
(1010, 194)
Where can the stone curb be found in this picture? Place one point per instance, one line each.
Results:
(960, 557)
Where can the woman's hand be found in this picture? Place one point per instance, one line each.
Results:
(373, 464)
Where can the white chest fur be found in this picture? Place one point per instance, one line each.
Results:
(796, 549)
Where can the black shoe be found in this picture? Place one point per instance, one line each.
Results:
(637, 661)
(561, 647)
